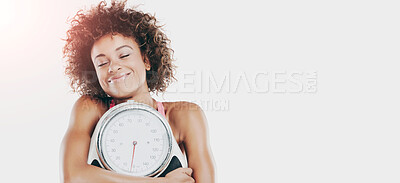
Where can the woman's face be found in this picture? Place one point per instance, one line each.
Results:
(119, 66)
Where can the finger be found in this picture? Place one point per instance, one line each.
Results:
(187, 171)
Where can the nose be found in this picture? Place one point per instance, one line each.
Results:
(114, 66)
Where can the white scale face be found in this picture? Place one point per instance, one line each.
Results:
(134, 139)
(134, 142)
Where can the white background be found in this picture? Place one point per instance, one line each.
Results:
(346, 131)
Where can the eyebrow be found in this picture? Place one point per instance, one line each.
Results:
(123, 46)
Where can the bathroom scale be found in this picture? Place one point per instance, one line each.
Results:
(135, 139)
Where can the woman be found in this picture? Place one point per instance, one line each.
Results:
(113, 55)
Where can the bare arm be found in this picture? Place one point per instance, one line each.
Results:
(75, 147)
(195, 138)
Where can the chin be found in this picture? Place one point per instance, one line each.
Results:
(123, 92)
(121, 95)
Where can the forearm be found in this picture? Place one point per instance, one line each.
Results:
(203, 175)
(89, 174)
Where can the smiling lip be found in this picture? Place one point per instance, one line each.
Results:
(112, 79)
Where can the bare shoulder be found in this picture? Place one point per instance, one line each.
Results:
(181, 106)
(188, 116)
(182, 109)
(85, 113)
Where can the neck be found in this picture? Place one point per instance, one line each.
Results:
(144, 98)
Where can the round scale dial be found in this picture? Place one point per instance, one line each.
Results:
(135, 139)
(134, 142)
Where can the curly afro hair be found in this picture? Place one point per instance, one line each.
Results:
(89, 26)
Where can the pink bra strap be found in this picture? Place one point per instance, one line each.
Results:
(160, 108)
(112, 103)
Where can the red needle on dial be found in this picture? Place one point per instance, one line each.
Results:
(133, 154)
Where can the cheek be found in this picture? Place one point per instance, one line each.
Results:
(142, 72)
(139, 68)
(101, 77)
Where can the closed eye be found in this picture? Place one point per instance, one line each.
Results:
(102, 64)
(123, 56)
